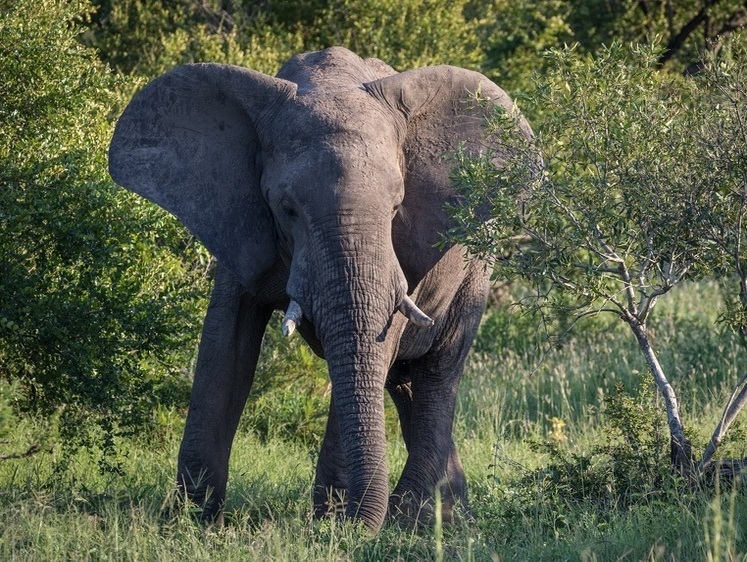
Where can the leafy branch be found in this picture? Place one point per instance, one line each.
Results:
(624, 208)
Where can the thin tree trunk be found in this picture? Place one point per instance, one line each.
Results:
(681, 450)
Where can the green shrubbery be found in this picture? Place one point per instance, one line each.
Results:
(290, 397)
(99, 291)
(626, 465)
(632, 185)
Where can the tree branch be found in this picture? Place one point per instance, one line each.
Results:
(736, 402)
(649, 302)
(736, 22)
(30, 452)
(675, 43)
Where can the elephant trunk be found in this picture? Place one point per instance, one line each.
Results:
(358, 373)
(359, 288)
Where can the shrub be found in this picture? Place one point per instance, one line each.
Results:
(93, 304)
(637, 194)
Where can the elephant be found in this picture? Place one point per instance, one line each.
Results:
(321, 192)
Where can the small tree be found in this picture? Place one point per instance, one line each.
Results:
(621, 212)
(723, 141)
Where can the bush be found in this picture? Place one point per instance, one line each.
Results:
(94, 306)
(641, 189)
(623, 468)
(403, 33)
(290, 395)
(148, 37)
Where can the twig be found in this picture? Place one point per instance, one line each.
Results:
(30, 452)
(736, 402)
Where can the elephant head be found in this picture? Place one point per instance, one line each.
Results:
(334, 171)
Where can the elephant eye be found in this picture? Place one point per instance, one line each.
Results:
(288, 208)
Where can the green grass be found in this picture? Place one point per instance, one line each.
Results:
(530, 500)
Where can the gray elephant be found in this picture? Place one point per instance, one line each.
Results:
(321, 192)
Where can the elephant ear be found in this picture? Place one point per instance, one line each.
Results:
(188, 142)
(439, 115)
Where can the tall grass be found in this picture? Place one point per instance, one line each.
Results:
(517, 393)
(512, 394)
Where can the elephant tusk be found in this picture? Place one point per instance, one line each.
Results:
(292, 318)
(414, 314)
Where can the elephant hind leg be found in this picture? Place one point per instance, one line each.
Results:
(433, 467)
(330, 482)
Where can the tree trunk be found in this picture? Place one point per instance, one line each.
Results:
(681, 450)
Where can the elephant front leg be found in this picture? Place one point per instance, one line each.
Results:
(426, 402)
(426, 411)
(330, 483)
(227, 359)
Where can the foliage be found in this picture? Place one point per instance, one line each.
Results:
(516, 33)
(148, 37)
(290, 397)
(611, 228)
(622, 468)
(594, 443)
(723, 135)
(504, 38)
(685, 28)
(99, 298)
(625, 207)
(405, 34)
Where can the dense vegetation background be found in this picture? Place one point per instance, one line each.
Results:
(102, 294)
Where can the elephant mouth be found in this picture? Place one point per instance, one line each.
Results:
(294, 315)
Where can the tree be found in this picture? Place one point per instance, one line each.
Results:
(150, 36)
(515, 33)
(98, 289)
(723, 139)
(625, 207)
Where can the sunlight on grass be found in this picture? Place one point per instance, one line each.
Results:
(513, 409)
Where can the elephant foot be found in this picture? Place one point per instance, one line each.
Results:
(409, 508)
(204, 512)
(199, 499)
(329, 501)
(419, 508)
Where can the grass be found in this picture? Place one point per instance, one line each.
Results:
(525, 429)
